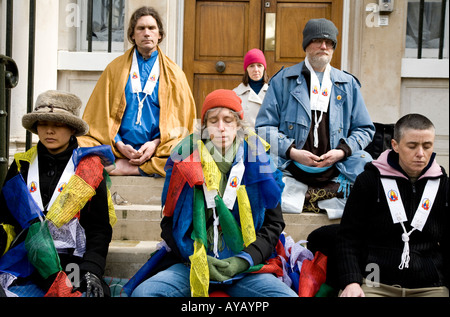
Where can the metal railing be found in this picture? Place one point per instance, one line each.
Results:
(9, 77)
(9, 73)
(31, 57)
(90, 18)
(421, 27)
(31, 61)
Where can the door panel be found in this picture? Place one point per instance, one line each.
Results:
(215, 26)
(224, 31)
(205, 83)
(291, 18)
(218, 34)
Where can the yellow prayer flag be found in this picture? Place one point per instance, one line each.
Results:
(210, 170)
(263, 142)
(10, 235)
(245, 213)
(27, 156)
(199, 275)
(111, 210)
(70, 201)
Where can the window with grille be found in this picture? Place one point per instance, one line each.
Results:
(102, 25)
(427, 32)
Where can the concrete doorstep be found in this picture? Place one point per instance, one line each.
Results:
(126, 257)
(137, 231)
(136, 236)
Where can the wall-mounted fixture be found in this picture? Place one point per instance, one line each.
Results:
(386, 6)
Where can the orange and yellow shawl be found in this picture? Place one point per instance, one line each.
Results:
(106, 106)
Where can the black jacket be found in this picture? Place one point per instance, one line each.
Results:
(94, 217)
(367, 234)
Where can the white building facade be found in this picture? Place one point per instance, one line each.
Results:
(376, 48)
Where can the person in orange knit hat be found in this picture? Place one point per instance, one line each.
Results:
(222, 98)
(221, 211)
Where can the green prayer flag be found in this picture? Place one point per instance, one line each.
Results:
(199, 221)
(41, 250)
(231, 232)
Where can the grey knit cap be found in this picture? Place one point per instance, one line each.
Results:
(319, 29)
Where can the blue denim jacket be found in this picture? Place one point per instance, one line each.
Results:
(285, 117)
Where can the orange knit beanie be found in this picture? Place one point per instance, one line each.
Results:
(222, 98)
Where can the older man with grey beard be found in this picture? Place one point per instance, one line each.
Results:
(316, 121)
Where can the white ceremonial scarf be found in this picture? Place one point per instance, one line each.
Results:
(34, 185)
(319, 96)
(71, 235)
(229, 197)
(136, 82)
(399, 215)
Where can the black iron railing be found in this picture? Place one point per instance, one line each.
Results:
(90, 20)
(31, 55)
(420, 39)
(441, 39)
(9, 76)
(6, 62)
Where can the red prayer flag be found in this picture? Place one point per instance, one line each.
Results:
(189, 170)
(62, 287)
(313, 274)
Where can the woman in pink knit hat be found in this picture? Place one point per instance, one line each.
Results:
(254, 84)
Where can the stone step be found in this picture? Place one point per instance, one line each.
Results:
(139, 218)
(126, 257)
(137, 222)
(299, 226)
(136, 236)
(138, 190)
(142, 222)
(138, 231)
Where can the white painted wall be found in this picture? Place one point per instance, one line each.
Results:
(392, 85)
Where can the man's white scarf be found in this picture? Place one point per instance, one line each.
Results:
(319, 96)
(136, 82)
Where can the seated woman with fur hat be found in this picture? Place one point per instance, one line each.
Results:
(55, 212)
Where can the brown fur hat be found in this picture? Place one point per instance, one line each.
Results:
(56, 106)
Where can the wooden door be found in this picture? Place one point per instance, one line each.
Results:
(218, 34)
(291, 17)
